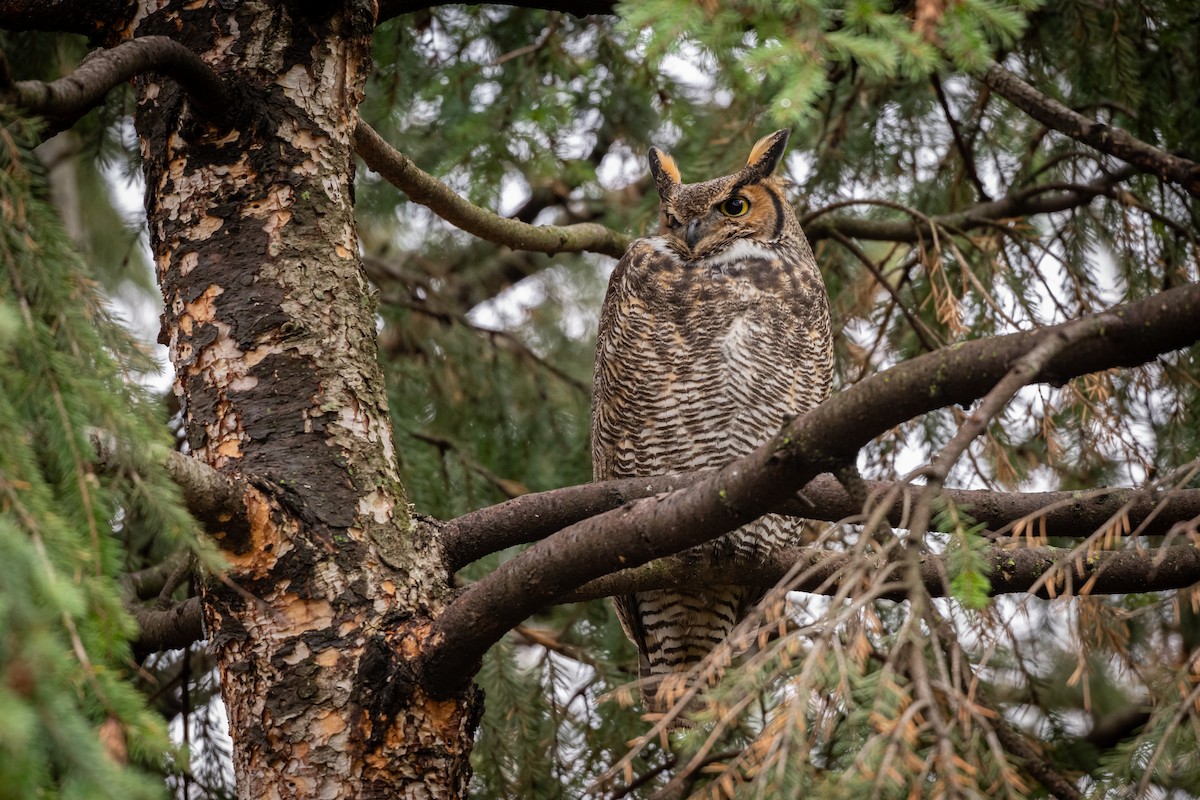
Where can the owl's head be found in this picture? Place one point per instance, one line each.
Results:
(701, 219)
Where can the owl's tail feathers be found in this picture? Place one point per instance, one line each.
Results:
(678, 691)
(663, 693)
(683, 646)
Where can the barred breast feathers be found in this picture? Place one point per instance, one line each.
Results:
(711, 334)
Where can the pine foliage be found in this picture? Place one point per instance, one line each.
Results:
(75, 726)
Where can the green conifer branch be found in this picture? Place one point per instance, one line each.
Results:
(69, 530)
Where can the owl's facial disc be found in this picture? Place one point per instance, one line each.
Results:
(752, 211)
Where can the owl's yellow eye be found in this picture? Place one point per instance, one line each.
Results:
(735, 206)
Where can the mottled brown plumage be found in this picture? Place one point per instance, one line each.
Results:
(712, 334)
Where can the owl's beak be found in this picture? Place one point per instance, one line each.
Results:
(695, 232)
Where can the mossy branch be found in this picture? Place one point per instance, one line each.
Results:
(423, 188)
(67, 99)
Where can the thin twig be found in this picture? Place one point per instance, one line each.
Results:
(964, 150)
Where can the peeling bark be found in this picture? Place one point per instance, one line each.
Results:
(270, 324)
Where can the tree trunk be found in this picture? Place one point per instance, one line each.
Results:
(270, 323)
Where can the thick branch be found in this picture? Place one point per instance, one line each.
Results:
(1012, 570)
(215, 499)
(206, 492)
(743, 490)
(423, 188)
(1059, 514)
(67, 99)
(168, 629)
(1113, 141)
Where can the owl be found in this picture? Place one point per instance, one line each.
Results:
(712, 334)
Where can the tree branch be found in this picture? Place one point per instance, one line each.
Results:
(1035, 764)
(178, 626)
(998, 397)
(215, 499)
(960, 142)
(67, 99)
(1034, 200)
(1112, 141)
(148, 583)
(1012, 570)
(501, 339)
(423, 188)
(743, 490)
(1074, 515)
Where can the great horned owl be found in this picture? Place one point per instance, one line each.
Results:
(712, 334)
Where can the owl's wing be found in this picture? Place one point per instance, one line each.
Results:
(619, 341)
(630, 617)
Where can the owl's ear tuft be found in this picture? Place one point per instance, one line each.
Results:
(767, 153)
(666, 173)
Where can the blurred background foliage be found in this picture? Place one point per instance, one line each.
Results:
(546, 116)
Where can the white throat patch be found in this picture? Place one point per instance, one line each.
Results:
(740, 250)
